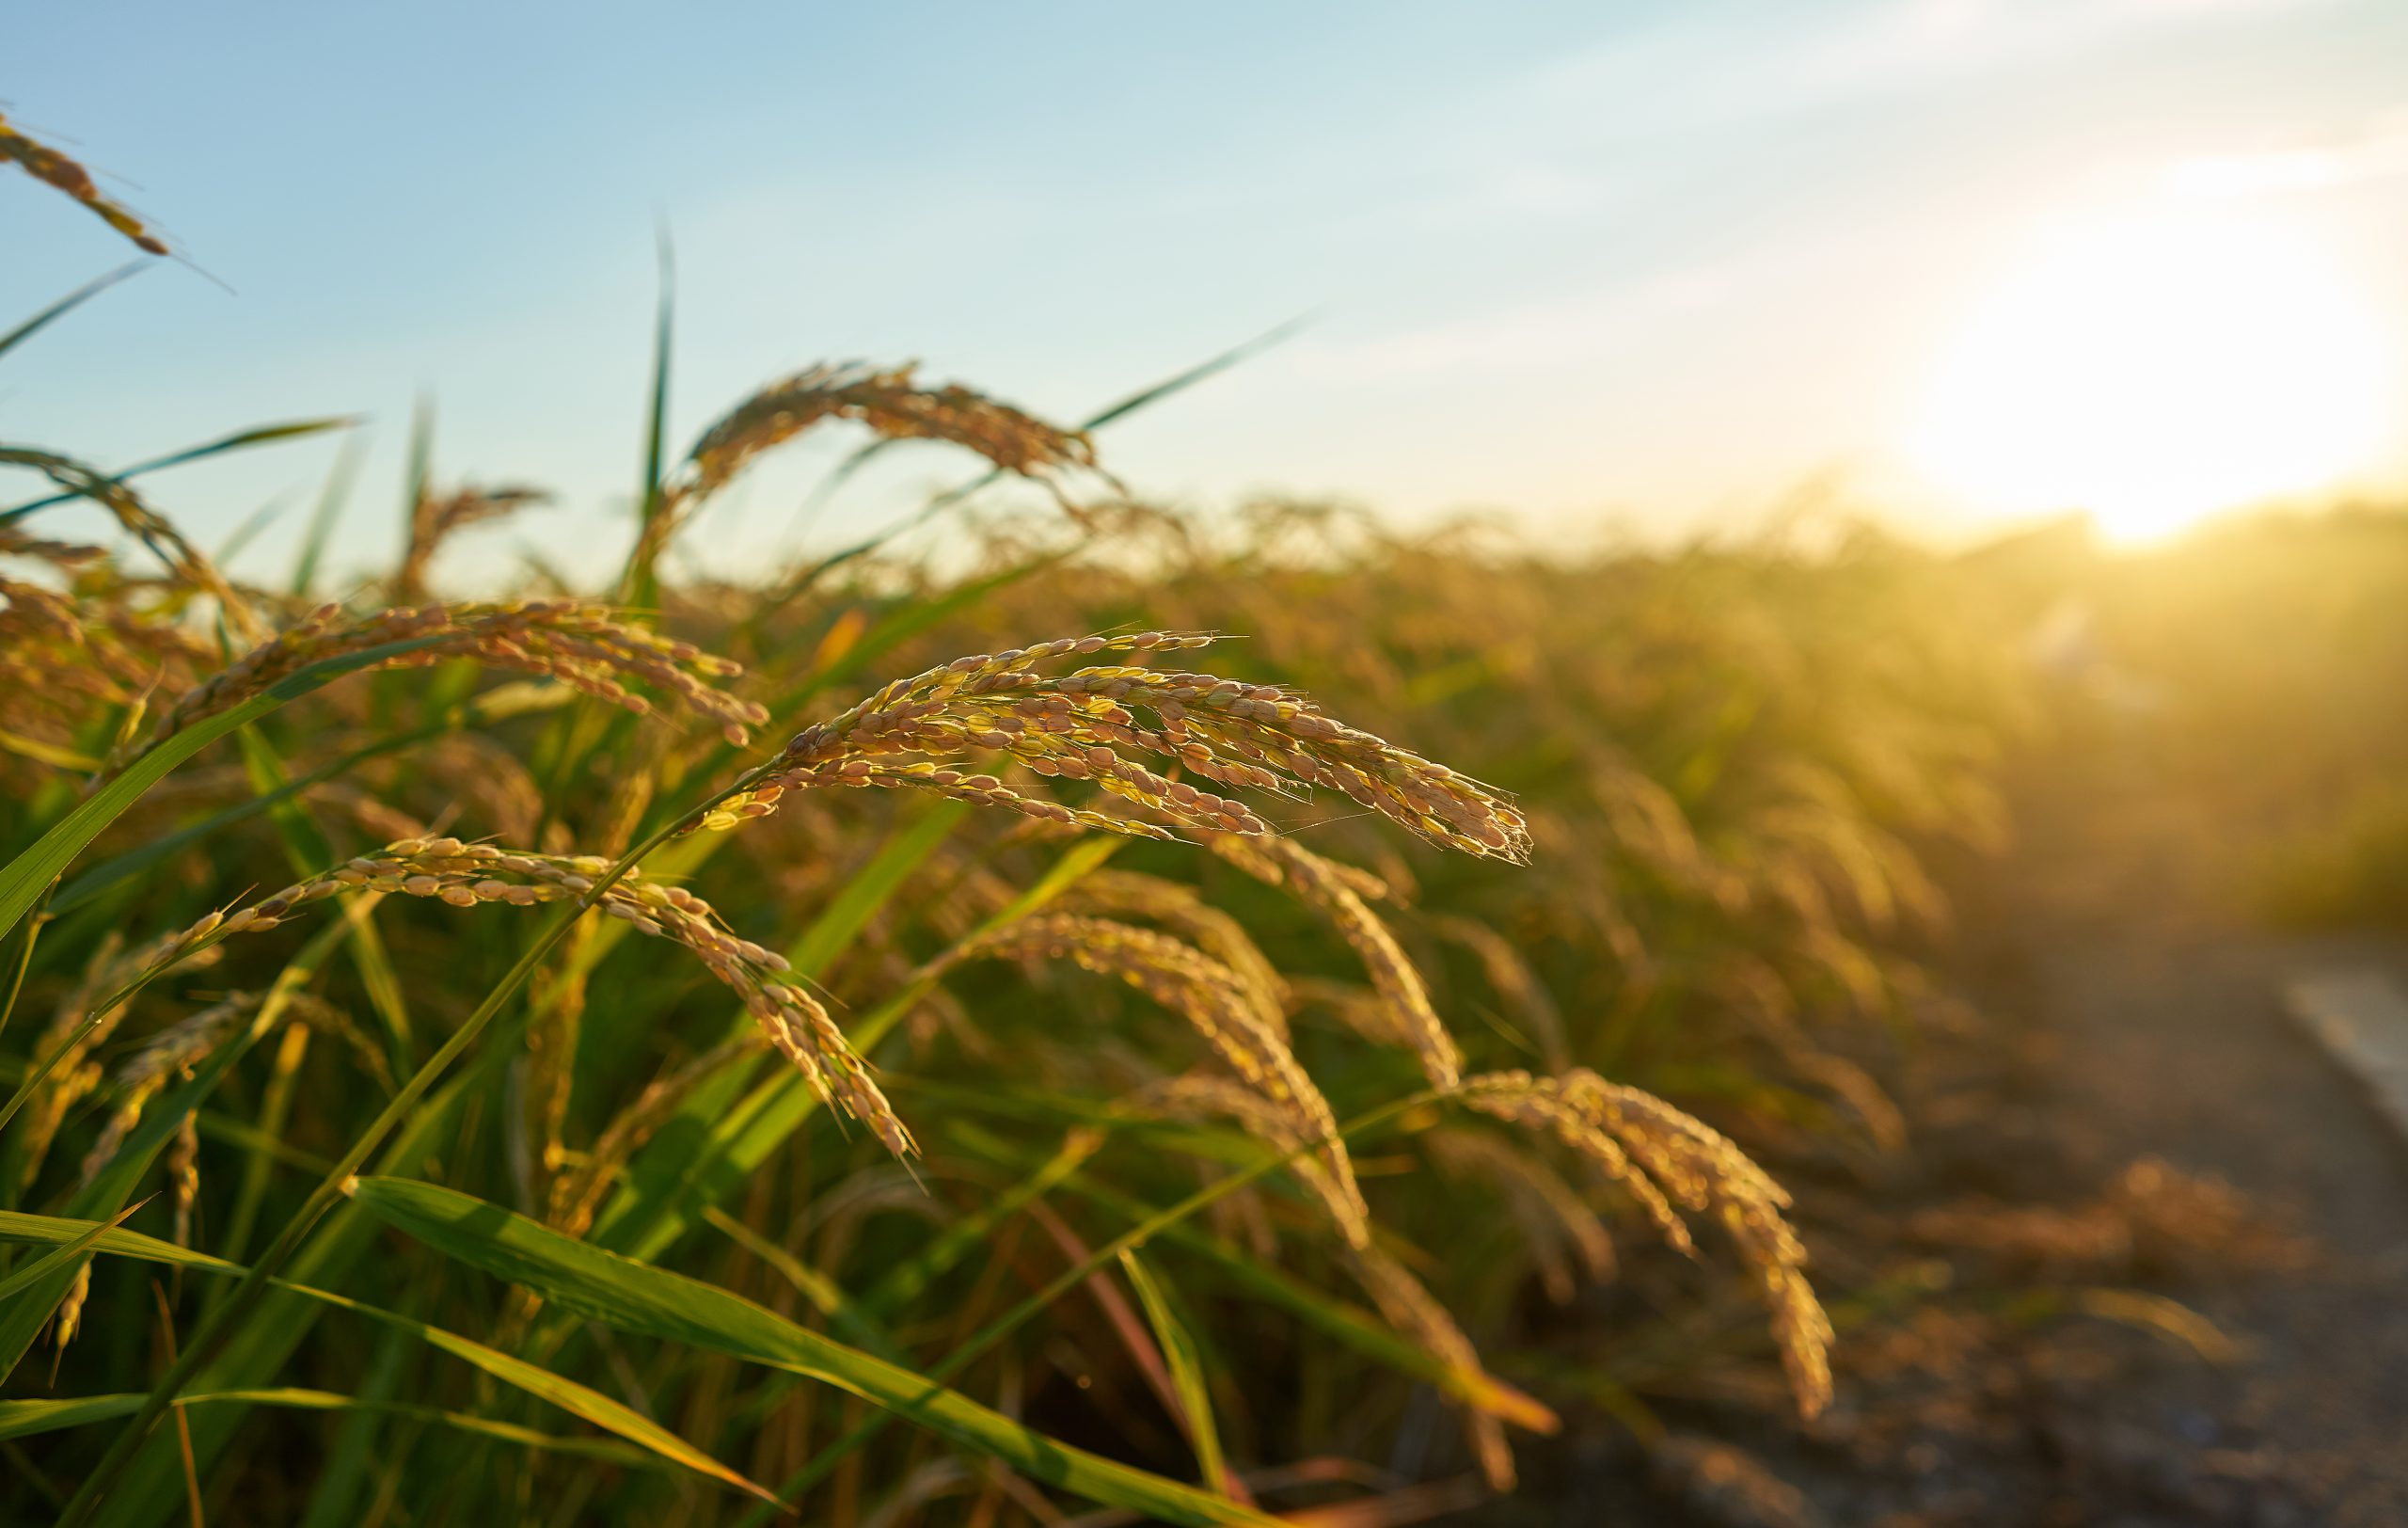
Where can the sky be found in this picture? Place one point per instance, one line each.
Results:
(1632, 268)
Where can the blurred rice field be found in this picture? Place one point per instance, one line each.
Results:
(1103, 1073)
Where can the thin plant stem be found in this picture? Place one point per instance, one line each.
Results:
(25, 956)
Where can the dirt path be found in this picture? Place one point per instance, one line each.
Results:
(2130, 1016)
(2110, 936)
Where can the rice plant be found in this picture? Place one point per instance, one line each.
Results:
(1099, 1067)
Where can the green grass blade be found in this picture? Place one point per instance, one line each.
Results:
(639, 585)
(331, 498)
(841, 920)
(1186, 1368)
(634, 1297)
(22, 1319)
(275, 1117)
(14, 986)
(902, 624)
(420, 469)
(354, 1456)
(152, 1488)
(19, 1229)
(1202, 371)
(66, 303)
(824, 1293)
(264, 435)
(62, 1256)
(576, 1399)
(1137, 1235)
(897, 626)
(249, 531)
(221, 1327)
(26, 1419)
(48, 753)
(225, 1127)
(21, 1419)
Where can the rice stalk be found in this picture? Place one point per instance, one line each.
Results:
(1216, 1004)
(83, 1021)
(1662, 1157)
(1337, 895)
(577, 643)
(469, 875)
(54, 168)
(1414, 1311)
(433, 517)
(190, 567)
(890, 403)
(1076, 726)
(1199, 1096)
(1181, 911)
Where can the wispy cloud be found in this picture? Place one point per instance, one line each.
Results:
(1526, 336)
(2377, 152)
(1719, 66)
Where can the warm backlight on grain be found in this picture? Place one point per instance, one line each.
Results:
(2156, 368)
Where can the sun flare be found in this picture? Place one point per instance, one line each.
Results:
(2156, 368)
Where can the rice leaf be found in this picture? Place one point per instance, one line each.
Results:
(358, 1449)
(907, 1279)
(19, 1229)
(641, 586)
(48, 753)
(570, 1396)
(249, 531)
(634, 1297)
(66, 303)
(264, 435)
(841, 920)
(21, 1419)
(1187, 1367)
(62, 1256)
(824, 1293)
(340, 477)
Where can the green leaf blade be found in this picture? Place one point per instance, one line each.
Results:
(638, 1297)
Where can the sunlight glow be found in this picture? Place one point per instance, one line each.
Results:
(2158, 367)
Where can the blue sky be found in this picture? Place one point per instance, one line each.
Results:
(1650, 264)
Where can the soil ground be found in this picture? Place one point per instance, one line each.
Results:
(2129, 1014)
